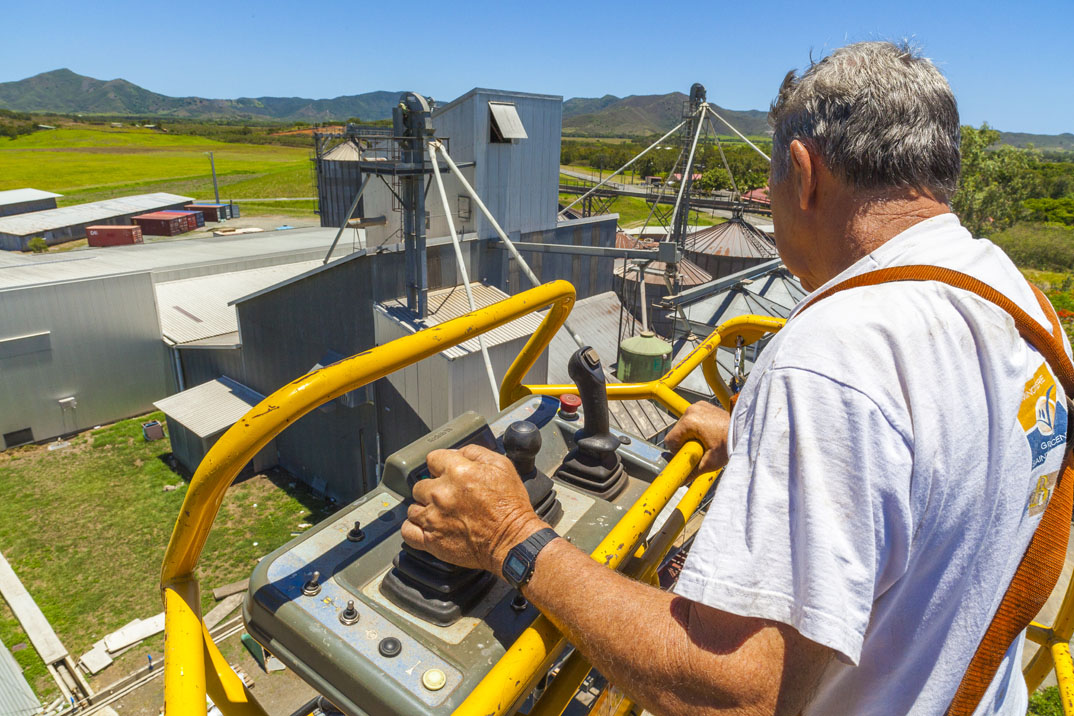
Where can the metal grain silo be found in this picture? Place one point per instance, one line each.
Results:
(338, 179)
(730, 247)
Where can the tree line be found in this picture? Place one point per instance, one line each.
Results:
(1000, 185)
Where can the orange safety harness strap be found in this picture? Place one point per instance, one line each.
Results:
(1042, 563)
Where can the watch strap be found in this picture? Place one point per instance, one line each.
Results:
(527, 551)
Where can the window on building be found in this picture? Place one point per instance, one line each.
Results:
(505, 126)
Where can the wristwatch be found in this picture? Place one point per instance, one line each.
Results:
(519, 562)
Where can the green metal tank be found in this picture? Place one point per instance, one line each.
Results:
(642, 358)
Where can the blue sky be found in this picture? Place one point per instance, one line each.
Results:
(1010, 64)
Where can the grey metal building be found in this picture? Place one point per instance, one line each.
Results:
(287, 329)
(80, 333)
(22, 201)
(199, 416)
(68, 223)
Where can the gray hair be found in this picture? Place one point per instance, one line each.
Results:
(880, 115)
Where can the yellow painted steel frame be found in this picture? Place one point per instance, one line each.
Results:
(1054, 652)
(193, 666)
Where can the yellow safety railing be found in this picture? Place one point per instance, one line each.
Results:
(193, 665)
(1054, 652)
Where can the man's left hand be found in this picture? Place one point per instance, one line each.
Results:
(472, 511)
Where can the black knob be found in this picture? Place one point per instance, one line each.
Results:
(522, 442)
(356, 534)
(390, 647)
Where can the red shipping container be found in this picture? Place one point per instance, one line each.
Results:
(158, 223)
(113, 235)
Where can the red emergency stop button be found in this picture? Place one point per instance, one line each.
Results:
(568, 406)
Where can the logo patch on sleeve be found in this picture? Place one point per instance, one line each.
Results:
(1043, 416)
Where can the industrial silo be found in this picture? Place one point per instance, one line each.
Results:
(642, 284)
(730, 247)
(338, 179)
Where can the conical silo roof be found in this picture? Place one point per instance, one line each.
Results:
(736, 237)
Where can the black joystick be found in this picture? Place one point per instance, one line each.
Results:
(521, 443)
(439, 592)
(594, 465)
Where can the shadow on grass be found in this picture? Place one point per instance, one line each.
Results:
(318, 507)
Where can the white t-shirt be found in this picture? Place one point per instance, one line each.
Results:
(890, 457)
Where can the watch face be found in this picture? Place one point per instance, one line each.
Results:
(514, 567)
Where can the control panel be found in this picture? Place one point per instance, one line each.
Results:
(381, 628)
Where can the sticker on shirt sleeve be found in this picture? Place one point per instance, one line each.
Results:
(1043, 416)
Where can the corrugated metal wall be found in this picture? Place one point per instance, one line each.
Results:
(423, 396)
(85, 320)
(337, 183)
(25, 207)
(517, 181)
(201, 365)
(589, 274)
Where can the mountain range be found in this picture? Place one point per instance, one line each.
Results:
(66, 92)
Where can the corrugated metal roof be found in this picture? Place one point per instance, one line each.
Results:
(597, 321)
(41, 221)
(775, 293)
(736, 237)
(18, 196)
(209, 255)
(345, 152)
(210, 408)
(16, 696)
(690, 274)
(448, 303)
(197, 308)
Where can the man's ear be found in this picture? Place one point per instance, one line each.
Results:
(804, 174)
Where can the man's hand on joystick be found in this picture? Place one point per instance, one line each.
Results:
(472, 511)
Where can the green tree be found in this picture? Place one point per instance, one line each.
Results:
(995, 181)
(37, 245)
(714, 179)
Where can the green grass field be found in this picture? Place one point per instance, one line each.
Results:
(633, 212)
(92, 560)
(89, 164)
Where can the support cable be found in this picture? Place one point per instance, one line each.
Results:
(350, 213)
(622, 168)
(462, 267)
(740, 134)
(503, 236)
(726, 166)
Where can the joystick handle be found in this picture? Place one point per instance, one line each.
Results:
(585, 370)
(521, 443)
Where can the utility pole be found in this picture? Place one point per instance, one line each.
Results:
(216, 189)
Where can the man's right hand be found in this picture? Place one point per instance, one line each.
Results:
(708, 425)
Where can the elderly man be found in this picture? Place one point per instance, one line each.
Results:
(880, 484)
